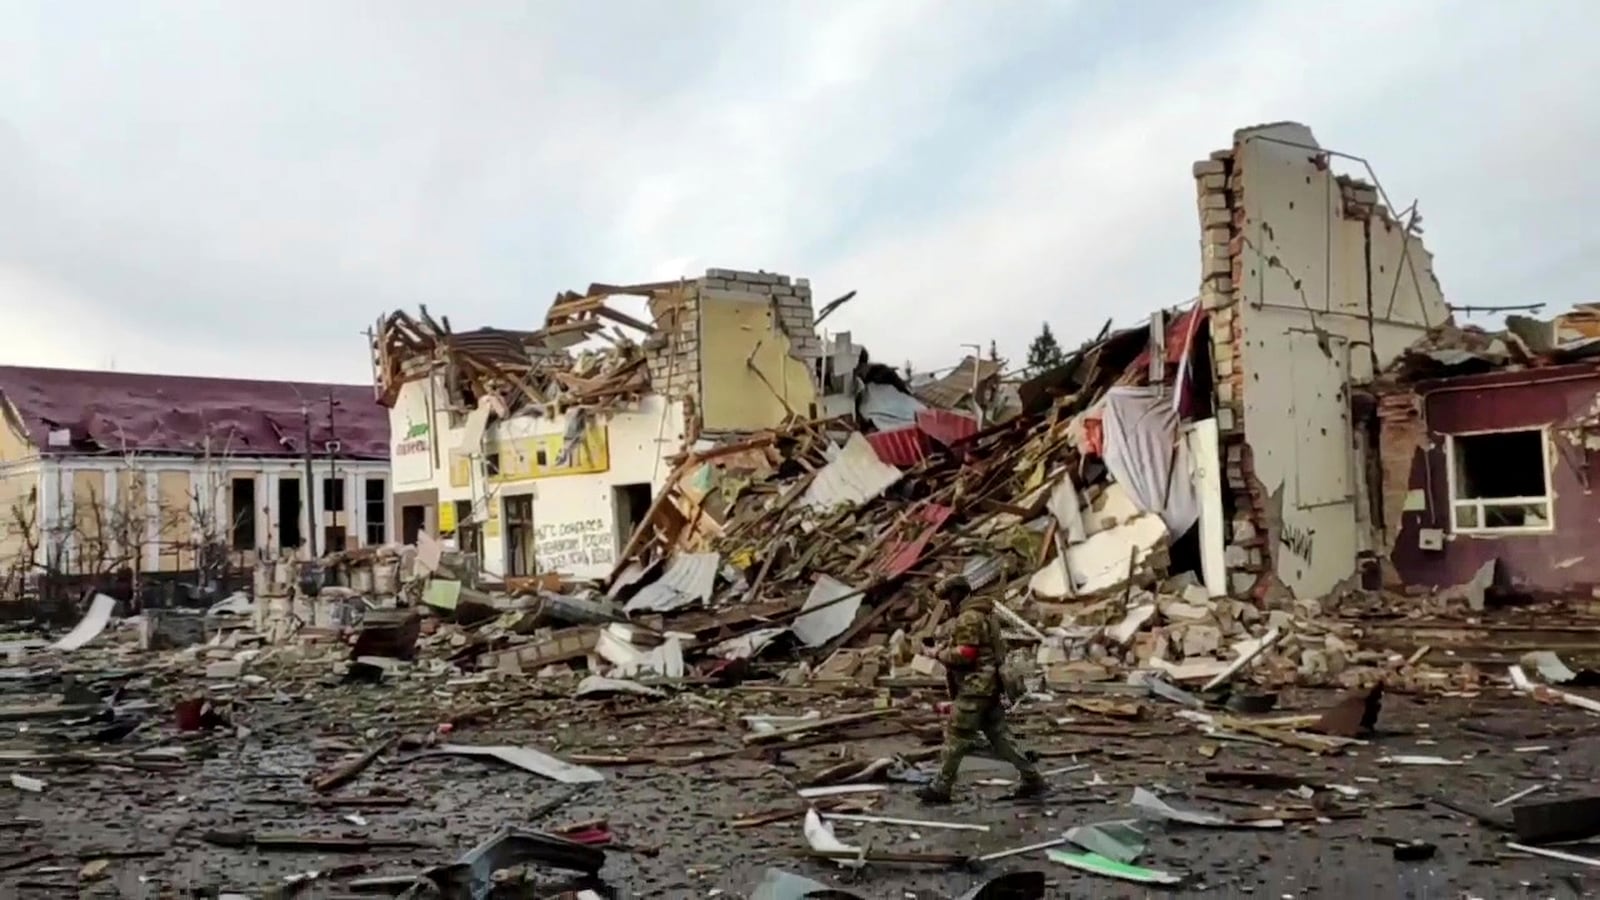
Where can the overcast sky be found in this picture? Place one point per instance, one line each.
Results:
(237, 188)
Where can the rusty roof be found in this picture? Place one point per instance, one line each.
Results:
(118, 412)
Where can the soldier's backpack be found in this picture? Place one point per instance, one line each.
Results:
(1011, 683)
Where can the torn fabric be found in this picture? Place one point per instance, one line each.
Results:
(1144, 453)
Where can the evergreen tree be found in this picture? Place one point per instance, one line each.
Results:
(1044, 353)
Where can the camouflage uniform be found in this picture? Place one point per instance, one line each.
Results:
(976, 690)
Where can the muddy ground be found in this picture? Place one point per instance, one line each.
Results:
(675, 815)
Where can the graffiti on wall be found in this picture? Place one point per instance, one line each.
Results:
(563, 546)
(1297, 540)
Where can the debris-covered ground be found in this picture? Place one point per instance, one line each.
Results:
(149, 796)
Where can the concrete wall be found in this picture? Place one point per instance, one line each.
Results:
(1312, 285)
(1561, 559)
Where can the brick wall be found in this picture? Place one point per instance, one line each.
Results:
(1402, 438)
(1218, 186)
(674, 354)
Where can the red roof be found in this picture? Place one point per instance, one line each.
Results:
(121, 412)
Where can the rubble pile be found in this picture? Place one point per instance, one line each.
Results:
(808, 539)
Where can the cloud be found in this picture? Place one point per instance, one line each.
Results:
(235, 189)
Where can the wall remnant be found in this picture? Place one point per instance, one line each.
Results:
(1312, 285)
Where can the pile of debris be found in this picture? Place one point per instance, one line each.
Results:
(505, 371)
(826, 539)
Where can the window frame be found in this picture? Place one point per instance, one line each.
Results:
(1549, 499)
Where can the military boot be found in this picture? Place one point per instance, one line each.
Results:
(934, 794)
(1030, 786)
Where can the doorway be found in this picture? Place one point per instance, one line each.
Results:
(630, 504)
(519, 535)
(413, 519)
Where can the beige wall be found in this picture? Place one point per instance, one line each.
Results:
(19, 480)
(1312, 287)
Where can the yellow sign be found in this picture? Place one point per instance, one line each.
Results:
(524, 459)
(447, 517)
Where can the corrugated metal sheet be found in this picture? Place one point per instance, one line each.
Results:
(900, 555)
(689, 577)
(817, 628)
(904, 446)
(955, 387)
(910, 444)
(981, 571)
(855, 476)
(945, 426)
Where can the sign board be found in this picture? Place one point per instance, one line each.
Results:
(411, 435)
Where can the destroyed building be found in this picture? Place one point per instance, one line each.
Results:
(1177, 495)
(538, 455)
(116, 480)
(1312, 283)
(1488, 450)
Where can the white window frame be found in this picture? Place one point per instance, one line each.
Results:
(1548, 500)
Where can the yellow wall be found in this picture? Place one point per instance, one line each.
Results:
(528, 458)
(738, 339)
(175, 522)
(17, 492)
(92, 520)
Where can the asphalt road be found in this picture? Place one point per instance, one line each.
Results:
(676, 819)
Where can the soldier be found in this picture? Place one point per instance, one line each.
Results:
(973, 657)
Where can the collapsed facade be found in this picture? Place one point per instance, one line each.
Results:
(114, 481)
(536, 458)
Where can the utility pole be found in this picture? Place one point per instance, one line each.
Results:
(311, 505)
(333, 475)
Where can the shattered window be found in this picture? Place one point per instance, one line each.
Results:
(1499, 481)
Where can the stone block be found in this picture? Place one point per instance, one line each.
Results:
(722, 274)
(803, 283)
(1213, 201)
(1215, 218)
(1226, 421)
(1209, 167)
(715, 283)
(1217, 183)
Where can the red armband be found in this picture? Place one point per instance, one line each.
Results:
(968, 652)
